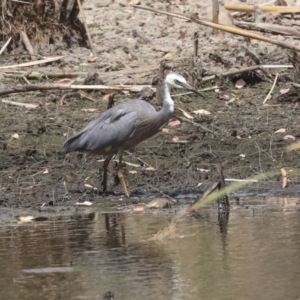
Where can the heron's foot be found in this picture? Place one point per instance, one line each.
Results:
(122, 180)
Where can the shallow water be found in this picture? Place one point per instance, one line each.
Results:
(255, 255)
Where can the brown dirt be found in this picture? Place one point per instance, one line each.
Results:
(35, 170)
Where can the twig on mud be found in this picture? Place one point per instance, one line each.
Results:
(5, 45)
(272, 88)
(27, 105)
(239, 180)
(142, 162)
(196, 124)
(276, 66)
(243, 70)
(226, 28)
(86, 27)
(183, 142)
(33, 63)
(30, 88)
(66, 189)
(297, 85)
(26, 80)
(87, 96)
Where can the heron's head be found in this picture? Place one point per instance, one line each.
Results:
(178, 81)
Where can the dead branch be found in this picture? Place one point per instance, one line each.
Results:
(243, 70)
(31, 88)
(226, 28)
(269, 27)
(109, 76)
(33, 63)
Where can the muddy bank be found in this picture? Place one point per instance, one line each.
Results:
(35, 170)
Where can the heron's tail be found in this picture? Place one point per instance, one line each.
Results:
(76, 142)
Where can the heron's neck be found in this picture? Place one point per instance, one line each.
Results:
(168, 104)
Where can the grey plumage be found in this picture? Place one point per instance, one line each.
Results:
(126, 125)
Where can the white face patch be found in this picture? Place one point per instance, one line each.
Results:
(171, 80)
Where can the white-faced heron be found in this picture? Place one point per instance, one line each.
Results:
(125, 125)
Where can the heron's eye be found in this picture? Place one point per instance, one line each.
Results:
(177, 82)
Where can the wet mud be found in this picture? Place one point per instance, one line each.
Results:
(241, 135)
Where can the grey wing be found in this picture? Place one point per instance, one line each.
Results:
(112, 128)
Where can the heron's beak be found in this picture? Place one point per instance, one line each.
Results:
(190, 88)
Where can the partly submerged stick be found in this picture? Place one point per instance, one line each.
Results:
(226, 190)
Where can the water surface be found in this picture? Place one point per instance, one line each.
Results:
(255, 255)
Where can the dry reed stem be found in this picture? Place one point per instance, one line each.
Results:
(226, 28)
(270, 9)
(215, 13)
(86, 28)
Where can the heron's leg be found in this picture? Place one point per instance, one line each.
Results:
(120, 174)
(105, 166)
